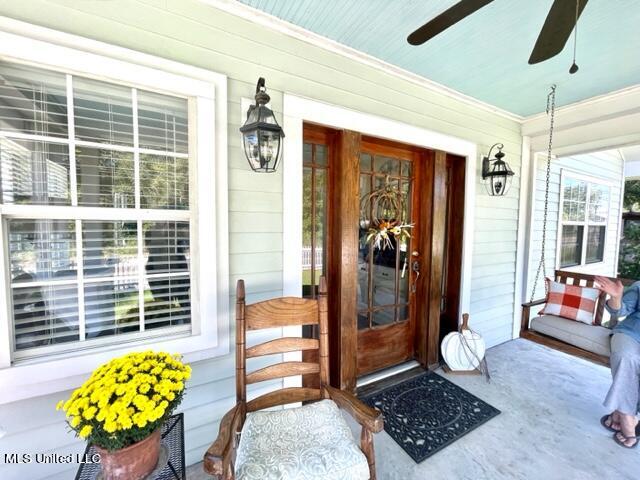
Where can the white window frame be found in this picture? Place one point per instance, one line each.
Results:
(207, 93)
(583, 265)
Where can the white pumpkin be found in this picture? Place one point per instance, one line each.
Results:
(463, 350)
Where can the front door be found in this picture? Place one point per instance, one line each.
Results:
(388, 278)
(385, 305)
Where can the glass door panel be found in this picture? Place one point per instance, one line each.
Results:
(314, 217)
(383, 274)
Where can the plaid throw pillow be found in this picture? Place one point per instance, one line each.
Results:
(571, 301)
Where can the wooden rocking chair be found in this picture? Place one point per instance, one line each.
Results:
(315, 424)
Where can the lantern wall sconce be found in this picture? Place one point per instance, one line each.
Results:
(497, 177)
(261, 134)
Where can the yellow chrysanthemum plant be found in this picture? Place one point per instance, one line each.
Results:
(127, 399)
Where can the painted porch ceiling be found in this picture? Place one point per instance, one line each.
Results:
(485, 55)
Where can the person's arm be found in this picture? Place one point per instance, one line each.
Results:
(627, 305)
(614, 305)
(619, 304)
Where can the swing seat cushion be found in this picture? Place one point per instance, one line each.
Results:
(593, 338)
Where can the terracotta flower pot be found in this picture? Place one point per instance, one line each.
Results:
(133, 462)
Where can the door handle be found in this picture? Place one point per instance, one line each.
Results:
(415, 268)
(415, 264)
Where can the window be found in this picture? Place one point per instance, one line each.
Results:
(96, 211)
(314, 216)
(94, 205)
(585, 207)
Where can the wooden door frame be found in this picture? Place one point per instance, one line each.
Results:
(450, 315)
(319, 135)
(343, 324)
(296, 111)
(438, 238)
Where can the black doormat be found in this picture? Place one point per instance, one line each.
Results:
(426, 413)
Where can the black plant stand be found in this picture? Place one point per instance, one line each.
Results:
(172, 440)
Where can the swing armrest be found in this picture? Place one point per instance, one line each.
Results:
(526, 312)
(534, 303)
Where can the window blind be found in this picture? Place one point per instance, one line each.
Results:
(33, 101)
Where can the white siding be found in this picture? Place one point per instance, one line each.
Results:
(193, 33)
(608, 166)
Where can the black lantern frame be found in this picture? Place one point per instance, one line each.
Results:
(261, 134)
(497, 177)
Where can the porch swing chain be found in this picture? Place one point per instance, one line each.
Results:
(542, 267)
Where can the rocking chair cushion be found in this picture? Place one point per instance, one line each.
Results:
(312, 442)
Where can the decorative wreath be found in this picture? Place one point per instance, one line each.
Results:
(382, 213)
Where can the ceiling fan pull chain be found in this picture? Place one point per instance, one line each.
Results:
(542, 267)
(574, 67)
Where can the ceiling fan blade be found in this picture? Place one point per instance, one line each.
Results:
(449, 17)
(556, 29)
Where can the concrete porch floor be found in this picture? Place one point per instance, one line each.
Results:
(549, 427)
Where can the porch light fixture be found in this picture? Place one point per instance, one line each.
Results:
(497, 177)
(261, 134)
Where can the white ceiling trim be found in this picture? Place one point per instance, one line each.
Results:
(259, 17)
(599, 123)
(609, 102)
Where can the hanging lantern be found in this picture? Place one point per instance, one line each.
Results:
(497, 177)
(261, 134)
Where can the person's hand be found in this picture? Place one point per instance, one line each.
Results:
(613, 289)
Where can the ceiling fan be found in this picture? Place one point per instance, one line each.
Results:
(561, 20)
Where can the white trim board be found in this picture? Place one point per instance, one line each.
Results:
(620, 223)
(527, 183)
(526, 270)
(282, 26)
(207, 92)
(297, 110)
(292, 205)
(618, 100)
(599, 123)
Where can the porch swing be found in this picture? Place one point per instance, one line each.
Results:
(591, 342)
